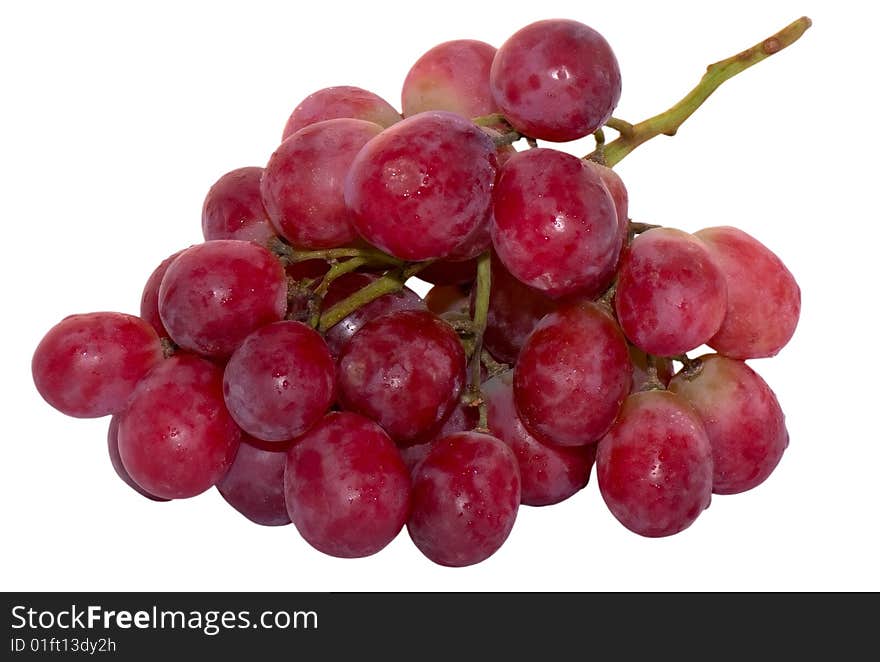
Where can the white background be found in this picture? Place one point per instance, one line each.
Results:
(116, 118)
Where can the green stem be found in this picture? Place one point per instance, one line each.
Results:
(668, 122)
(481, 318)
(337, 270)
(492, 119)
(292, 255)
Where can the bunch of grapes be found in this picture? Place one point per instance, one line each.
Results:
(285, 362)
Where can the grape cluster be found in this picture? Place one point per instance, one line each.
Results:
(285, 362)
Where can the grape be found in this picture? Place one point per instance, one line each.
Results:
(150, 296)
(404, 370)
(176, 438)
(743, 420)
(619, 195)
(465, 497)
(233, 208)
(463, 418)
(763, 298)
(88, 365)
(572, 375)
(116, 460)
(446, 272)
(639, 362)
(303, 182)
(254, 484)
(338, 335)
(655, 465)
(514, 310)
(452, 76)
(447, 299)
(555, 226)
(343, 101)
(671, 296)
(556, 80)
(347, 489)
(280, 381)
(549, 474)
(215, 294)
(420, 189)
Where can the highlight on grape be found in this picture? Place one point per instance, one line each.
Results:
(285, 362)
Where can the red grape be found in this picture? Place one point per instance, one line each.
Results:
(671, 296)
(421, 188)
(233, 208)
(302, 186)
(655, 465)
(763, 298)
(116, 460)
(280, 381)
(463, 418)
(556, 80)
(347, 489)
(555, 225)
(619, 194)
(338, 335)
(343, 101)
(452, 76)
(176, 438)
(465, 497)
(150, 296)
(448, 272)
(514, 310)
(549, 474)
(215, 294)
(254, 484)
(743, 420)
(572, 375)
(404, 370)
(88, 365)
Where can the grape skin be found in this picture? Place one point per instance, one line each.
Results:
(671, 296)
(150, 295)
(404, 370)
(619, 195)
(337, 102)
(116, 460)
(280, 381)
(215, 294)
(88, 365)
(302, 186)
(555, 226)
(346, 488)
(421, 188)
(654, 466)
(233, 208)
(254, 484)
(465, 497)
(572, 375)
(452, 76)
(176, 438)
(763, 298)
(556, 80)
(743, 420)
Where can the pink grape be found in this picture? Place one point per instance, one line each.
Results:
(763, 298)
(555, 226)
(87, 365)
(336, 102)
(302, 186)
(116, 460)
(176, 438)
(338, 335)
(150, 296)
(404, 370)
(215, 294)
(347, 490)
(619, 194)
(233, 208)
(549, 474)
(572, 375)
(452, 76)
(671, 296)
(556, 80)
(465, 498)
(655, 465)
(254, 484)
(514, 310)
(447, 272)
(743, 420)
(280, 381)
(421, 188)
